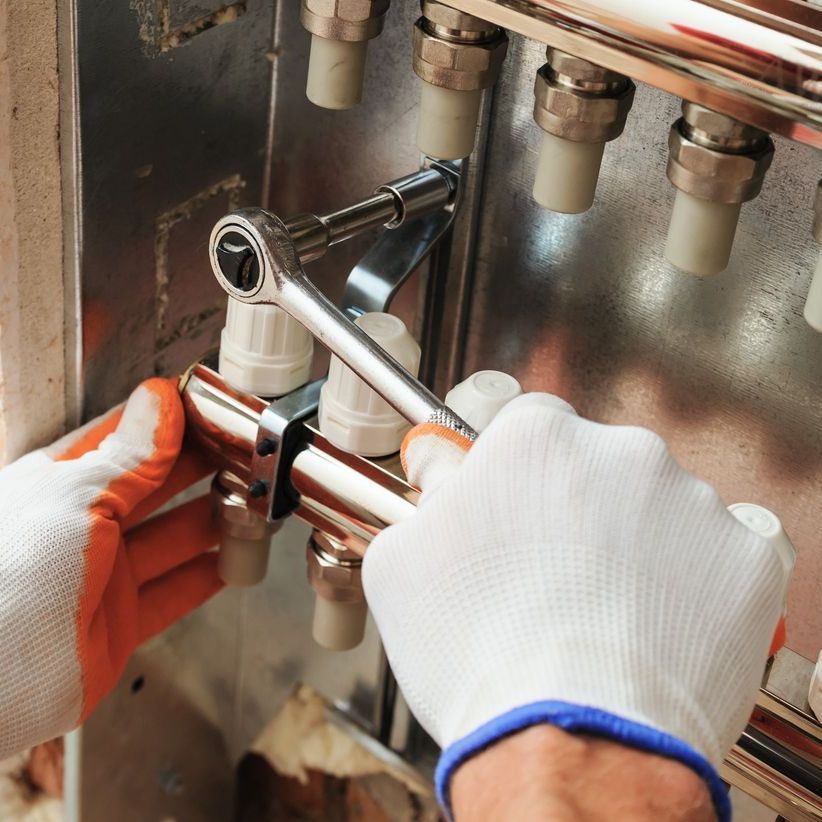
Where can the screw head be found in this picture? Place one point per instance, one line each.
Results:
(238, 261)
(257, 489)
(266, 447)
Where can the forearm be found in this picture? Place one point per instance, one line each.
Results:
(545, 773)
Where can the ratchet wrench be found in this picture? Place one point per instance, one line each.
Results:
(255, 261)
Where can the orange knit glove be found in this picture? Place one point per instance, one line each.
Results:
(82, 584)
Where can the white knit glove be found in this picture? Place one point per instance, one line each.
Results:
(83, 579)
(573, 573)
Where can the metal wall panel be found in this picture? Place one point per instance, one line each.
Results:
(725, 369)
(172, 137)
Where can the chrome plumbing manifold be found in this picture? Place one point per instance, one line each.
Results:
(275, 451)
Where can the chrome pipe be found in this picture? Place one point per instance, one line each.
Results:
(220, 421)
(347, 497)
(350, 498)
(759, 61)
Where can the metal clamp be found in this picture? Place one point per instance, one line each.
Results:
(375, 280)
(279, 438)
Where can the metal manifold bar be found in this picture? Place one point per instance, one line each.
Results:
(759, 61)
(779, 757)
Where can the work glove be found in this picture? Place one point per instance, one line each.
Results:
(572, 573)
(81, 582)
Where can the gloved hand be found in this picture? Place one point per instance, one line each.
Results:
(81, 583)
(572, 573)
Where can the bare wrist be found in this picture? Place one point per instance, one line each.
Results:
(545, 773)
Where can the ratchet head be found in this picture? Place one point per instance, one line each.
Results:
(253, 256)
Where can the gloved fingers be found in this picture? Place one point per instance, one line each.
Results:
(190, 468)
(431, 453)
(171, 539)
(170, 597)
(86, 438)
(137, 457)
(550, 402)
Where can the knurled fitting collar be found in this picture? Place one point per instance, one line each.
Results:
(717, 158)
(346, 20)
(579, 100)
(456, 50)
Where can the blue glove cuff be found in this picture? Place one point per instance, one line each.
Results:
(579, 719)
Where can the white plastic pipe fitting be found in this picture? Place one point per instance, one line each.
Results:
(567, 174)
(448, 120)
(764, 522)
(717, 164)
(245, 537)
(340, 610)
(340, 32)
(264, 351)
(457, 56)
(813, 303)
(579, 106)
(701, 234)
(354, 417)
(338, 626)
(336, 73)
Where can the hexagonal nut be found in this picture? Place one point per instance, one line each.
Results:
(346, 20)
(446, 17)
(232, 513)
(718, 130)
(581, 70)
(578, 115)
(331, 577)
(722, 177)
(458, 66)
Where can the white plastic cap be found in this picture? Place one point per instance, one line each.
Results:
(352, 415)
(813, 305)
(479, 398)
(264, 351)
(336, 71)
(567, 174)
(701, 234)
(767, 525)
(448, 119)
